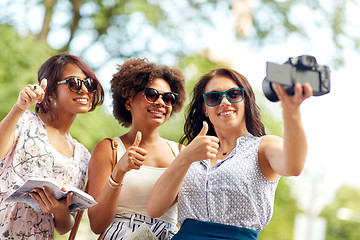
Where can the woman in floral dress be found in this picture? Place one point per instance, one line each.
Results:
(40, 145)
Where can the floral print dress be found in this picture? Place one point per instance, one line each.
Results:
(33, 156)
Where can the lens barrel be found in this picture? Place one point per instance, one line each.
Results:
(269, 91)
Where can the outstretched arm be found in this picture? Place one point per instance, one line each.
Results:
(29, 96)
(286, 157)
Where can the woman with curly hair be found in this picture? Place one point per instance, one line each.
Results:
(224, 181)
(144, 96)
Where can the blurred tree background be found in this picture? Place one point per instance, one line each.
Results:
(174, 32)
(343, 214)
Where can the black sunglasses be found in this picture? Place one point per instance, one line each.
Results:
(151, 95)
(233, 95)
(75, 84)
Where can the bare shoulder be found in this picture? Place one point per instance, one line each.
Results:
(104, 144)
(101, 152)
(101, 157)
(270, 141)
(270, 146)
(100, 167)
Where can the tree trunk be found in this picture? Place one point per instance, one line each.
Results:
(49, 9)
(75, 21)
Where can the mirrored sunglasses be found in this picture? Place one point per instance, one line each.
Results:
(214, 98)
(151, 95)
(75, 84)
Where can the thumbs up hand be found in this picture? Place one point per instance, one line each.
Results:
(202, 146)
(133, 157)
(31, 95)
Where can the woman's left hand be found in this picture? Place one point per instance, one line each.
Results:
(293, 101)
(48, 203)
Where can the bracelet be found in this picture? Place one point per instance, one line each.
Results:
(114, 184)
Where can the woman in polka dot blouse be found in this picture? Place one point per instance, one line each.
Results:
(225, 179)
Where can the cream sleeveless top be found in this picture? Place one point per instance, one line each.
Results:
(138, 185)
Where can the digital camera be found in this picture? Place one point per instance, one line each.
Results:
(302, 69)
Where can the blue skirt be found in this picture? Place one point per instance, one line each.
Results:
(200, 230)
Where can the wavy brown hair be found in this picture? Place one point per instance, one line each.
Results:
(136, 74)
(52, 70)
(195, 113)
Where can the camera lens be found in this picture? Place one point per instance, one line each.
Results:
(307, 61)
(269, 91)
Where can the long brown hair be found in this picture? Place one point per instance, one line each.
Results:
(195, 113)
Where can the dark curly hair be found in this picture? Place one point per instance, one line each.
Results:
(136, 74)
(52, 70)
(195, 113)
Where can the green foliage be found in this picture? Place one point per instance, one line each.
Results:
(173, 128)
(20, 60)
(131, 28)
(274, 21)
(281, 225)
(271, 115)
(196, 65)
(347, 198)
(91, 128)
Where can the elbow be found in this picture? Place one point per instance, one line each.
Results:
(97, 224)
(62, 232)
(63, 228)
(96, 228)
(294, 172)
(153, 207)
(96, 231)
(152, 212)
(295, 167)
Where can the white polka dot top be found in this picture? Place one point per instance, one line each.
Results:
(232, 192)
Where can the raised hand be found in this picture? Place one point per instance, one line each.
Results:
(31, 95)
(300, 94)
(202, 147)
(133, 157)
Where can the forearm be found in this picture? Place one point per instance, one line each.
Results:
(165, 191)
(64, 221)
(295, 144)
(102, 214)
(7, 130)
